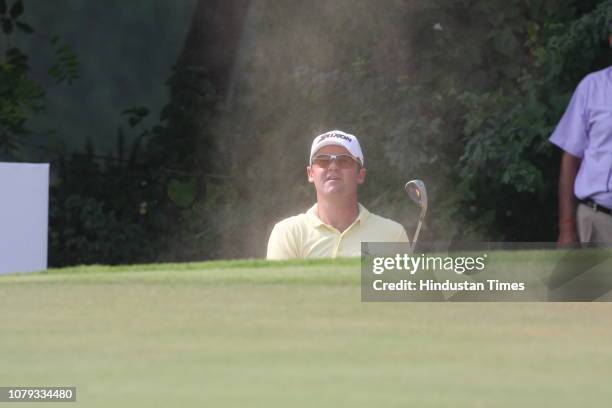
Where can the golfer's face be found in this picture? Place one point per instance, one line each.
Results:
(335, 178)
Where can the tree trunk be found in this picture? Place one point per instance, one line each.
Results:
(200, 82)
(213, 41)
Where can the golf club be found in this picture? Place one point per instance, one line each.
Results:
(417, 192)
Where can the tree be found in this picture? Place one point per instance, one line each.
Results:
(183, 148)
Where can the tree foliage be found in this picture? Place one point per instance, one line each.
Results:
(20, 96)
(508, 168)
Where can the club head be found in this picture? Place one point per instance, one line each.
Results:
(417, 193)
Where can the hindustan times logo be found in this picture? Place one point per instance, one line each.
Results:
(412, 264)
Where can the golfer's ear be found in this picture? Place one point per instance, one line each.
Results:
(361, 175)
(309, 174)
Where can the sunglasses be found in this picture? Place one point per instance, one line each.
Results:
(343, 161)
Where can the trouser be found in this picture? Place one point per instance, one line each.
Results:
(593, 226)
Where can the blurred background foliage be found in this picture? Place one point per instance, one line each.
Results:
(460, 93)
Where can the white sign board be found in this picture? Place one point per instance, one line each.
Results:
(24, 212)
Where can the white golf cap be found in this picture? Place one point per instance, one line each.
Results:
(337, 138)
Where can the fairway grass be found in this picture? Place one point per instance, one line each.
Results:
(290, 334)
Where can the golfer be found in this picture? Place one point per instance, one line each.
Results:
(337, 224)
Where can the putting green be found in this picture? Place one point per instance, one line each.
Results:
(257, 334)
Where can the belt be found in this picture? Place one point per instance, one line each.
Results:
(596, 207)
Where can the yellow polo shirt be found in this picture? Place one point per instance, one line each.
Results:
(306, 236)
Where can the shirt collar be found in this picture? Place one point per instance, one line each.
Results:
(315, 221)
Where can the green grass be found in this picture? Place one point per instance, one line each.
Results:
(291, 334)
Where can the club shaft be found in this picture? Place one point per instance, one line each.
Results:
(416, 235)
